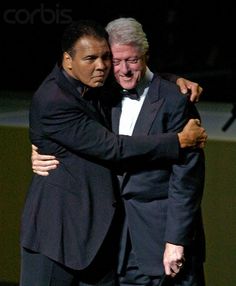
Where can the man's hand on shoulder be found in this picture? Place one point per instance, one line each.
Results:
(186, 86)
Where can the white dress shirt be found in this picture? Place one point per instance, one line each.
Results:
(130, 108)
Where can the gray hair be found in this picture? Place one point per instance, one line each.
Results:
(126, 31)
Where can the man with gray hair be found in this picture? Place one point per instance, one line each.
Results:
(163, 229)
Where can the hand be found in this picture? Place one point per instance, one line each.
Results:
(173, 259)
(187, 85)
(41, 164)
(193, 135)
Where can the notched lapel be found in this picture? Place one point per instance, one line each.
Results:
(149, 110)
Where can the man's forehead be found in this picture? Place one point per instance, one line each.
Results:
(125, 51)
(88, 44)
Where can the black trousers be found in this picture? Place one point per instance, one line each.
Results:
(39, 270)
(192, 273)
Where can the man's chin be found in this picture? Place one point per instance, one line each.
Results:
(127, 85)
(98, 84)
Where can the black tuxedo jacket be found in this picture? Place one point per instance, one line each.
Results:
(67, 214)
(163, 200)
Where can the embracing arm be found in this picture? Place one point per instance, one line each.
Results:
(59, 125)
(191, 88)
(192, 135)
(68, 127)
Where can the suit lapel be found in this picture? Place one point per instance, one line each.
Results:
(149, 110)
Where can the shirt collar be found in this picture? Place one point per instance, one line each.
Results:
(145, 81)
(81, 88)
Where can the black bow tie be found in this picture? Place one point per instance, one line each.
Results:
(130, 93)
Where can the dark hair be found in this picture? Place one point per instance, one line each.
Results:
(79, 29)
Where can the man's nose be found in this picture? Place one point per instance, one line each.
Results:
(124, 66)
(101, 64)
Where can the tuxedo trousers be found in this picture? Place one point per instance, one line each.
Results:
(39, 270)
(130, 271)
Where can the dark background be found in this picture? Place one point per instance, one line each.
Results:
(190, 38)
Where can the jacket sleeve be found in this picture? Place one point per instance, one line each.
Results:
(65, 126)
(186, 184)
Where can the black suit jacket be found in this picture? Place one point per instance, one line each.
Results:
(163, 200)
(67, 214)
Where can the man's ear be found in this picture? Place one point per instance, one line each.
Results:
(67, 60)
